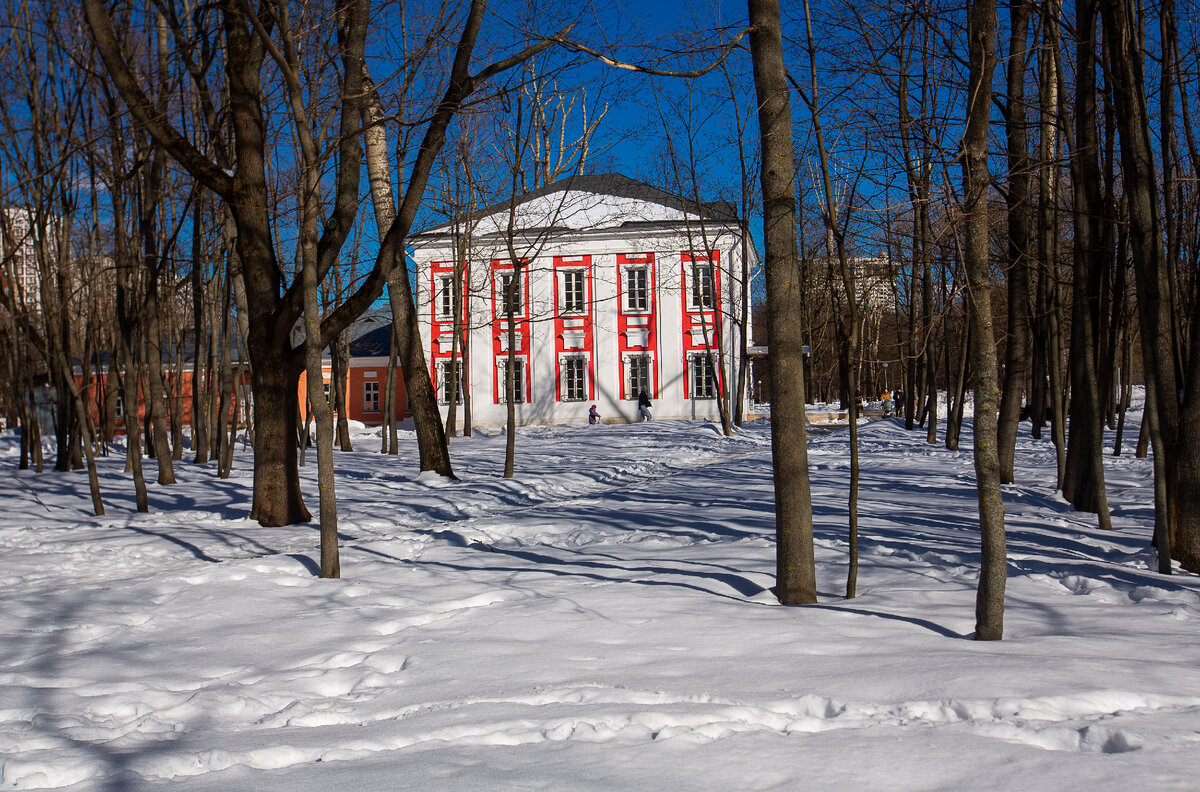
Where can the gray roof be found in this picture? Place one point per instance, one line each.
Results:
(376, 343)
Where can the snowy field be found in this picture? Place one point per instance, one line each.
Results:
(603, 621)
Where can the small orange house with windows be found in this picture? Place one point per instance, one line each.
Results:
(367, 376)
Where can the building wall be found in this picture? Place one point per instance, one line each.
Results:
(606, 332)
(94, 387)
(17, 244)
(362, 371)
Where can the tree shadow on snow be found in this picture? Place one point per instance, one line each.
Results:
(52, 679)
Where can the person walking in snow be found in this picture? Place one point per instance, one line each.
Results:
(898, 398)
(644, 406)
(593, 416)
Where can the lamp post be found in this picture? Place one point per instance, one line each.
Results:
(885, 379)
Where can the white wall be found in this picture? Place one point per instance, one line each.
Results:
(603, 246)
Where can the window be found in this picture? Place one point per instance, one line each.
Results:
(639, 376)
(704, 378)
(518, 381)
(637, 292)
(445, 296)
(573, 291)
(119, 409)
(702, 286)
(573, 379)
(325, 390)
(511, 302)
(450, 373)
(370, 397)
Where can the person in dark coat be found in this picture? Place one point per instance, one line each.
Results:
(593, 415)
(898, 398)
(644, 405)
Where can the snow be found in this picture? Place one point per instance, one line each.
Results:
(601, 621)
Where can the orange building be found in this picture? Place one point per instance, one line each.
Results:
(366, 379)
(177, 384)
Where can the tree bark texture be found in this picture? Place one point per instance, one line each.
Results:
(796, 580)
(989, 601)
(1174, 428)
(1016, 358)
(1083, 482)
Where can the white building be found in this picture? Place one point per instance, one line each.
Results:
(18, 250)
(623, 287)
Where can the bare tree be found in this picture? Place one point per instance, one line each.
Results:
(795, 574)
(1083, 482)
(272, 305)
(849, 317)
(1016, 360)
(989, 602)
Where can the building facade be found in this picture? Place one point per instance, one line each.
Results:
(19, 277)
(370, 339)
(620, 287)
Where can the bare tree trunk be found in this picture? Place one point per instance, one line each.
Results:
(796, 582)
(339, 359)
(989, 602)
(1016, 362)
(227, 405)
(1174, 428)
(930, 411)
(457, 339)
(955, 418)
(1083, 485)
(393, 352)
(389, 396)
(201, 390)
(1126, 390)
(510, 362)
(427, 420)
(849, 318)
(1053, 117)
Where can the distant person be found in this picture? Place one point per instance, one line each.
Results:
(644, 405)
(593, 416)
(886, 399)
(899, 399)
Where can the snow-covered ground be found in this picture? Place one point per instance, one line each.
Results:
(603, 621)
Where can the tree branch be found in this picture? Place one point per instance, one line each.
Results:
(155, 122)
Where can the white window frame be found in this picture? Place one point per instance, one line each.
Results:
(444, 381)
(445, 296)
(644, 289)
(521, 366)
(564, 365)
(628, 359)
(699, 298)
(699, 366)
(501, 292)
(371, 396)
(573, 290)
